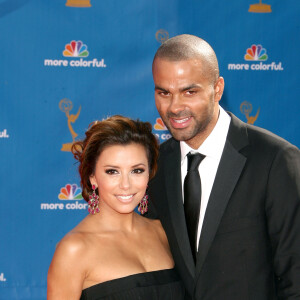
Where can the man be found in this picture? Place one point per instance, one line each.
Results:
(246, 243)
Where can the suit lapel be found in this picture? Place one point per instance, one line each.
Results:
(229, 171)
(172, 179)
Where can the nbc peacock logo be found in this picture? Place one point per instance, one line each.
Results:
(76, 49)
(256, 53)
(162, 131)
(159, 125)
(70, 195)
(70, 192)
(79, 51)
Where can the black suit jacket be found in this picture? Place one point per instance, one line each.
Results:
(249, 246)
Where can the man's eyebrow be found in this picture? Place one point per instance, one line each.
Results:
(192, 86)
(156, 87)
(186, 88)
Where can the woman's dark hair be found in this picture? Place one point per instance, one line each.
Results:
(115, 130)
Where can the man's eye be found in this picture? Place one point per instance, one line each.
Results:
(138, 171)
(191, 92)
(163, 93)
(111, 171)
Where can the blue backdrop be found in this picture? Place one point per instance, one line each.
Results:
(65, 63)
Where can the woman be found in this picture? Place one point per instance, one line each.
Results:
(114, 253)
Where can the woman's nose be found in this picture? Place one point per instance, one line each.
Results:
(125, 182)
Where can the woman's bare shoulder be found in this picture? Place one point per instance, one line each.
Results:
(76, 242)
(73, 243)
(69, 252)
(67, 270)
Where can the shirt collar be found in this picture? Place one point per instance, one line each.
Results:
(214, 143)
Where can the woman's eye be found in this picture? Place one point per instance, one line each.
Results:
(111, 171)
(138, 171)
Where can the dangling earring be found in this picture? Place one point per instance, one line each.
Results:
(93, 202)
(143, 205)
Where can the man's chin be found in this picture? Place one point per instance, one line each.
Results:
(180, 135)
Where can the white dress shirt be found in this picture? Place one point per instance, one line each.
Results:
(212, 148)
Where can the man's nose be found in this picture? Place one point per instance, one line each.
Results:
(176, 104)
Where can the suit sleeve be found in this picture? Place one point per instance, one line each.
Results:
(283, 215)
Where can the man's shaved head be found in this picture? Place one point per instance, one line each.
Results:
(188, 47)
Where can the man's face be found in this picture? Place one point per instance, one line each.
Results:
(186, 99)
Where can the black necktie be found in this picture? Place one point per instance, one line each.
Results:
(192, 198)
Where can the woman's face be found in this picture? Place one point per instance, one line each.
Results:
(121, 175)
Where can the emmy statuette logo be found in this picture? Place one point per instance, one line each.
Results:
(246, 109)
(260, 8)
(161, 35)
(66, 105)
(78, 3)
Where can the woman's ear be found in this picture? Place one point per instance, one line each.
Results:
(93, 180)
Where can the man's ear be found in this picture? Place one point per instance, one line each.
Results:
(219, 88)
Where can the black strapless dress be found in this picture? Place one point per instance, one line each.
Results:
(156, 285)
